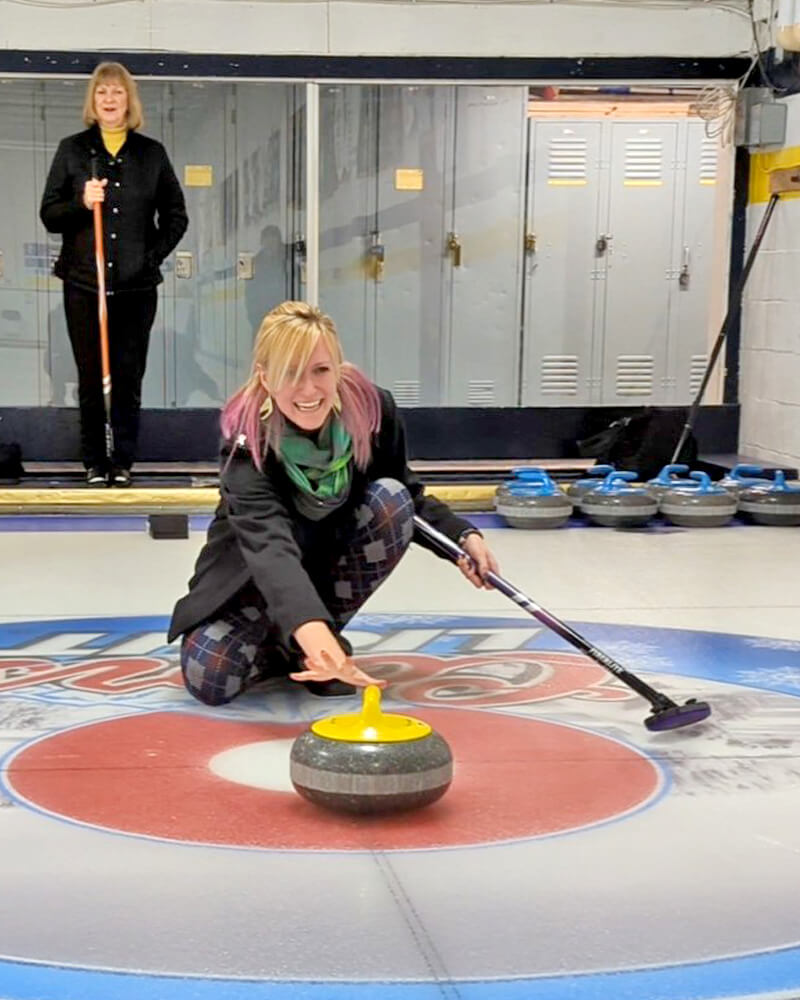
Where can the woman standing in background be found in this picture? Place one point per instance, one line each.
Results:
(144, 218)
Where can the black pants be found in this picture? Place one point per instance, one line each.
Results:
(130, 319)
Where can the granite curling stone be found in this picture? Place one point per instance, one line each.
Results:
(741, 477)
(702, 506)
(371, 762)
(615, 504)
(772, 503)
(595, 477)
(532, 501)
(668, 479)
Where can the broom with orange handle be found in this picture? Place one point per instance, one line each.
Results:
(100, 264)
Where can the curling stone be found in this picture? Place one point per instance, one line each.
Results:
(614, 504)
(528, 502)
(576, 490)
(667, 479)
(742, 476)
(371, 762)
(704, 505)
(775, 503)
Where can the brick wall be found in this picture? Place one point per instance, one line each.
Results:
(770, 356)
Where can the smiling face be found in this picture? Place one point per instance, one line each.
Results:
(306, 398)
(111, 103)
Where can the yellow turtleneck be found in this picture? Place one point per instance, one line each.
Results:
(114, 138)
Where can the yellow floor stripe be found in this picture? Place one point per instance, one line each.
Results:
(199, 500)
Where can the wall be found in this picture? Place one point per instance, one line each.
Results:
(337, 27)
(770, 355)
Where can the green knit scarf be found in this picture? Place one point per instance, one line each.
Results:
(318, 468)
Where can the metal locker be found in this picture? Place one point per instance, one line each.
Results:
(348, 269)
(200, 148)
(414, 128)
(698, 273)
(158, 387)
(483, 241)
(231, 147)
(265, 121)
(25, 256)
(58, 114)
(564, 263)
(640, 227)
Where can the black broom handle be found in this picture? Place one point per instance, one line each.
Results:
(733, 311)
(656, 698)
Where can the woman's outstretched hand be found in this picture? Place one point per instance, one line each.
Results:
(323, 667)
(325, 660)
(481, 560)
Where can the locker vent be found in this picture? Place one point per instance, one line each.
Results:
(643, 162)
(559, 375)
(635, 375)
(697, 370)
(567, 162)
(708, 161)
(406, 393)
(480, 393)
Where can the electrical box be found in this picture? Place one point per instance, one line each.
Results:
(760, 119)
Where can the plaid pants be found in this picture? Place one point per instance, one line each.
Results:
(223, 657)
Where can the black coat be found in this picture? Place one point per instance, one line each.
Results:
(144, 212)
(258, 535)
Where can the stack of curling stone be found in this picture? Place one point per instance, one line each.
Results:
(371, 762)
(615, 504)
(702, 505)
(742, 476)
(532, 500)
(595, 477)
(666, 480)
(773, 503)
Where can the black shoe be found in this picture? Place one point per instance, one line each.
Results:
(330, 689)
(120, 476)
(96, 477)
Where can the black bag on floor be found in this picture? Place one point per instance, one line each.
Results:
(642, 443)
(11, 470)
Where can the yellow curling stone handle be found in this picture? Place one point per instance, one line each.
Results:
(371, 725)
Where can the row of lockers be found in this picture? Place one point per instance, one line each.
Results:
(471, 253)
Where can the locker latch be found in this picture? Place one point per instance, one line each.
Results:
(683, 276)
(245, 266)
(377, 257)
(183, 264)
(299, 254)
(530, 242)
(601, 245)
(454, 248)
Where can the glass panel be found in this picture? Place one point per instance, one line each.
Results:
(264, 156)
(233, 150)
(24, 354)
(402, 168)
(485, 261)
(348, 227)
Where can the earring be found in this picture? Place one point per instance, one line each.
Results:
(337, 403)
(266, 408)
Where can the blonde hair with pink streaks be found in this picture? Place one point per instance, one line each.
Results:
(288, 336)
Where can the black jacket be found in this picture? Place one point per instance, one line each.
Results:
(258, 535)
(144, 213)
